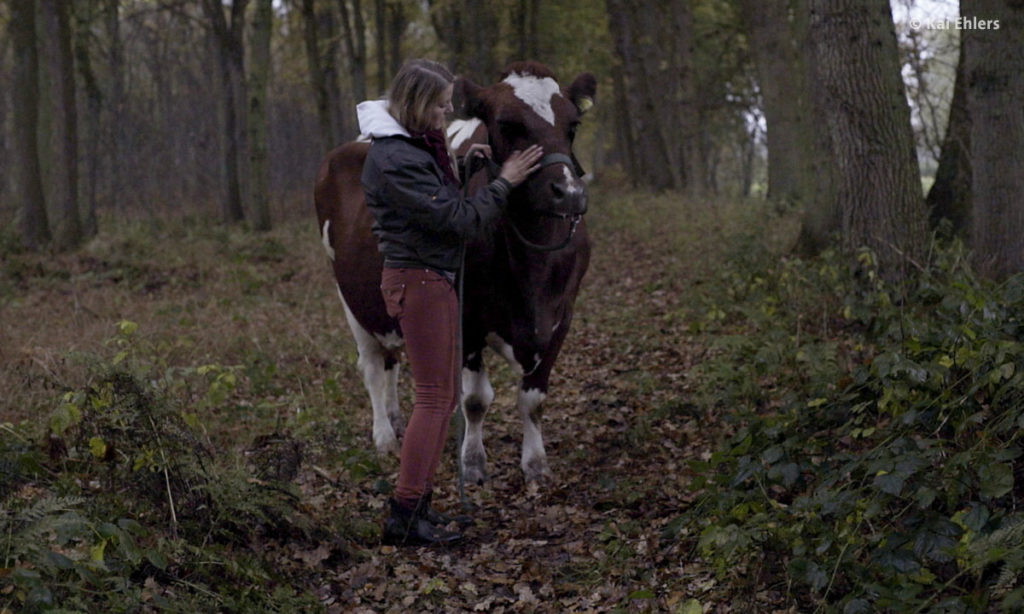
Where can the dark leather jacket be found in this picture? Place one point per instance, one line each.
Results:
(419, 220)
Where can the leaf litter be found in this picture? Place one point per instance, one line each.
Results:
(593, 538)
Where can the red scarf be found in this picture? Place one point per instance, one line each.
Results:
(433, 141)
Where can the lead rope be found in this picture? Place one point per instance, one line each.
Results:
(460, 420)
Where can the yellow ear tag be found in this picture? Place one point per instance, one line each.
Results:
(585, 104)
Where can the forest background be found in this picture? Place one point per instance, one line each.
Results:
(797, 376)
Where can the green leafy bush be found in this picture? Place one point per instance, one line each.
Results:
(129, 503)
(875, 443)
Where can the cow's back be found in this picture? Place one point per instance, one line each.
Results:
(345, 226)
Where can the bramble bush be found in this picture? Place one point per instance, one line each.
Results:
(128, 507)
(872, 459)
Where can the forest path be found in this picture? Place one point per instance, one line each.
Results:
(619, 427)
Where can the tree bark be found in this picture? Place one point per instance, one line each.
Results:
(397, 22)
(259, 74)
(779, 77)
(950, 196)
(353, 29)
(67, 223)
(91, 128)
(228, 35)
(380, 38)
(995, 91)
(28, 179)
(820, 219)
(468, 28)
(659, 114)
(321, 35)
(118, 105)
(878, 190)
(527, 22)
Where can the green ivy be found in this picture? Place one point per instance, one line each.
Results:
(876, 440)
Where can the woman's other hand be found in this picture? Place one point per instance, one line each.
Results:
(478, 150)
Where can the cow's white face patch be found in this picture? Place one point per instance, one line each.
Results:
(536, 93)
(460, 130)
(326, 238)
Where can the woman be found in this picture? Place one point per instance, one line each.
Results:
(422, 222)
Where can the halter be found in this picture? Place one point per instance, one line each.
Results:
(493, 170)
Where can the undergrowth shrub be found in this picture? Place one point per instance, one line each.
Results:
(128, 502)
(874, 445)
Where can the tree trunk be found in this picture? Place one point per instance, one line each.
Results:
(950, 196)
(527, 21)
(91, 128)
(228, 36)
(698, 178)
(624, 152)
(259, 75)
(469, 29)
(380, 38)
(353, 29)
(390, 22)
(321, 35)
(995, 102)
(773, 47)
(118, 106)
(818, 173)
(28, 179)
(397, 22)
(878, 192)
(660, 115)
(67, 223)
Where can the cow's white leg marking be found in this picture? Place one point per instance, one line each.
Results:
(535, 460)
(380, 382)
(326, 238)
(477, 395)
(504, 350)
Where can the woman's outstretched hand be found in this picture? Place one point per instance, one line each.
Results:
(521, 164)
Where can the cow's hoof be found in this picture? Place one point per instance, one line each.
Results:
(537, 471)
(473, 468)
(387, 444)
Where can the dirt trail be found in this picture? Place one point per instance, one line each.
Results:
(619, 431)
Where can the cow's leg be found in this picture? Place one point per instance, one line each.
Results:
(535, 460)
(394, 413)
(380, 376)
(477, 395)
(530, 402)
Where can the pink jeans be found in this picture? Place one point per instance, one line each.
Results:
(427, 309)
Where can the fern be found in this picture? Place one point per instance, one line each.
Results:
(27, 532)
(1005, 545)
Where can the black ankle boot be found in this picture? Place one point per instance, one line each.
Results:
(440, 518)
(406, 526)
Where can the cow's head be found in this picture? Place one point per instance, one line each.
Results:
(527, 107)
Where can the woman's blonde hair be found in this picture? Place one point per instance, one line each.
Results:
(418, 84)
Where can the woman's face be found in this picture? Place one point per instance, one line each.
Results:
(437, 112)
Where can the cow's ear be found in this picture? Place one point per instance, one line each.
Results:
(582, 92)
(468, 99)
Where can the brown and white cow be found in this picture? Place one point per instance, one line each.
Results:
(520, 281)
